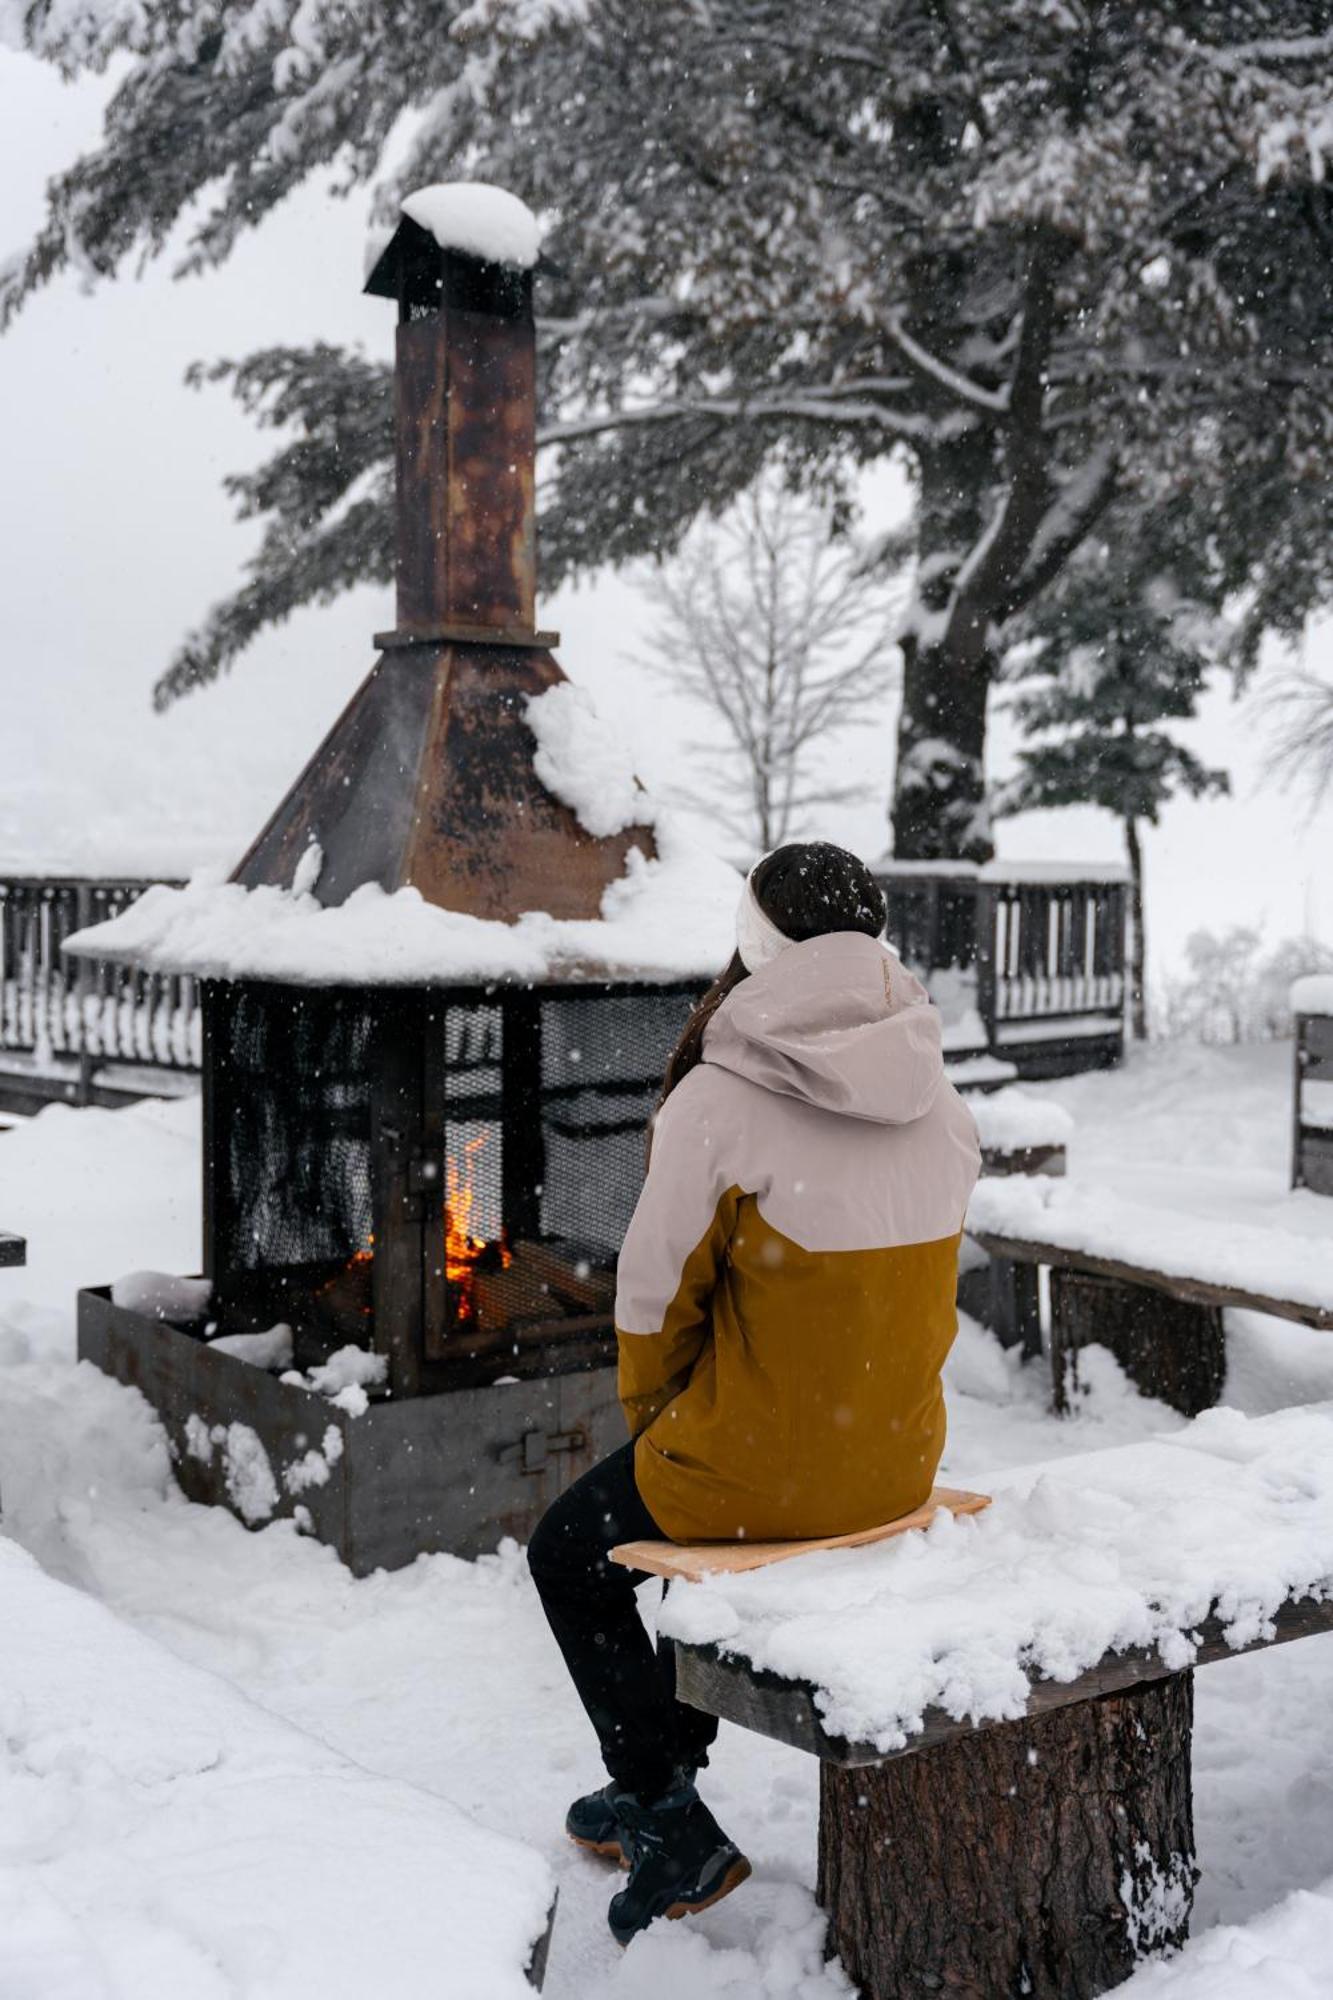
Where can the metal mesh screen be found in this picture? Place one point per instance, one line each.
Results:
(602, 1061)
(543, 1101)
(298, 1178)
(474, 1058)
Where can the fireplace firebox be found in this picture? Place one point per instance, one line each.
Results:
(429, 1177)
(441, 1175)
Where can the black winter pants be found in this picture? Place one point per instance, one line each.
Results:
(626, 1686)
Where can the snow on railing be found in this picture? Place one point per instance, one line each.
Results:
(1044, 943)
(55, 1012)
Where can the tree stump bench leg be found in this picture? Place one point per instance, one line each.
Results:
(1168, 1347)
(1042, 1857)
(1014, 1313)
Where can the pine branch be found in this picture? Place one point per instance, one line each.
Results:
(959, 386)
(835, 404)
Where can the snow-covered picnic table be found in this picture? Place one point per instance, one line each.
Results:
(1002, 1704)
(162, 1834)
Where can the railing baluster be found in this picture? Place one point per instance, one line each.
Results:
(85, 1012)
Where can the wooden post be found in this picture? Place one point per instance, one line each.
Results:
(1044, 1857)
(398, 1152)
(1169, 1348)
(522, 1143)
(986, 928)
(83, 981)
(1298, 1078)
(1015, 1305)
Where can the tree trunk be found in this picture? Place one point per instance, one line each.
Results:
(1042, 1857)
(1138, 942)
(1169, 1348)
(939, 790)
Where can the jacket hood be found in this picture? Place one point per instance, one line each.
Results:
(839, 1022)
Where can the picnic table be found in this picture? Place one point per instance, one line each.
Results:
(1148, 1283)
(1002, 1711)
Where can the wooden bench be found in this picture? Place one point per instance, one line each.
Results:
(13, 1250)
(1043, 1856)
(1164, 1328)
(1019, 1824)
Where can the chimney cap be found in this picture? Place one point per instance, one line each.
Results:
(464, 225)
(486, 221)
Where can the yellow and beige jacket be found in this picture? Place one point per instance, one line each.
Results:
(785, 1298)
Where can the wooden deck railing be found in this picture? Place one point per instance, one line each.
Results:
(1046, 956)
(63, 1023)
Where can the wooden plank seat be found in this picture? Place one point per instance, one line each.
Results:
(13, 1250)
(691, 1561)
(1044, 1854)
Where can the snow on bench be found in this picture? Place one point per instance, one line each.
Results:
(1021, 1132)
(1149, 1283)
(1264, 1265)
(162, 1834)
(985, 1619)
(1001, 1704)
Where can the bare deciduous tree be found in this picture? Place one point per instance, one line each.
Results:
(1300, 709)
(773, 620)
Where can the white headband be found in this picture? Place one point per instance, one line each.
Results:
(758, 939)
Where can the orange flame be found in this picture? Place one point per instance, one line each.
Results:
(463, 1250)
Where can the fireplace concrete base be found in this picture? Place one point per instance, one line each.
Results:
(454, 1471)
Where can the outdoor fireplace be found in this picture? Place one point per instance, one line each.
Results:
(440, 1175)
(434, 1173)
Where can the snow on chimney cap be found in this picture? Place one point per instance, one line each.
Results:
(479, 219)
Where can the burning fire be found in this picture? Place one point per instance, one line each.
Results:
(464, 1253)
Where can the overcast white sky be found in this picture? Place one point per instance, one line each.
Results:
(115, 536)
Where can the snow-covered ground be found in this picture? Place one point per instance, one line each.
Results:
(443, 1675)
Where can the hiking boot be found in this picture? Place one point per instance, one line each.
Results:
(592, 1822)
(680, 1861)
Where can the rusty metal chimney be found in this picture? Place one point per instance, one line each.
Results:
(427, 777)
(465, 389)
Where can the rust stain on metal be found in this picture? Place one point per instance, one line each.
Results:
(491, 517)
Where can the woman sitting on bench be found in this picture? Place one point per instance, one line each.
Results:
(785, 1302)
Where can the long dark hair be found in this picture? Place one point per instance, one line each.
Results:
(807, 889)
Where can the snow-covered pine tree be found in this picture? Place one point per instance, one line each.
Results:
(1121, 646)
(1059, 254)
